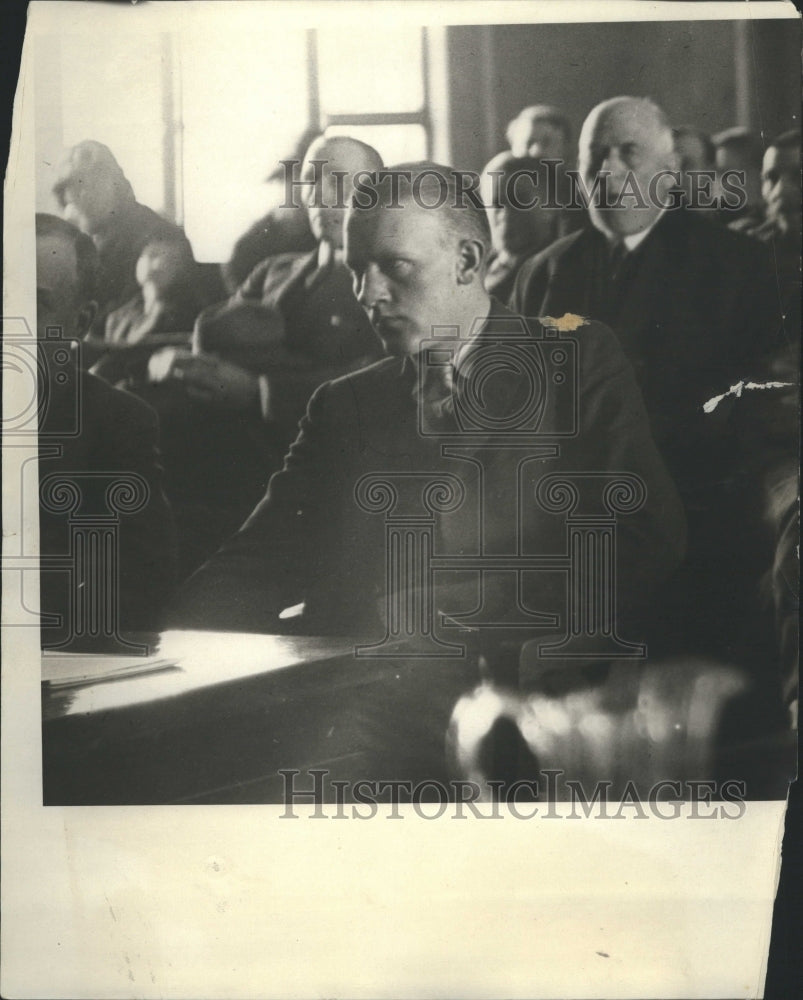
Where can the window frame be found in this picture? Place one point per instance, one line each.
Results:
(321, 121)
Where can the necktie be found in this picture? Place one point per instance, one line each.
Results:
(618, 253)
(433, 395)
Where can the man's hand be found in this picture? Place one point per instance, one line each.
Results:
(212, 380)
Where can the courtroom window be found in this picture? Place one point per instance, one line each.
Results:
(378, 94)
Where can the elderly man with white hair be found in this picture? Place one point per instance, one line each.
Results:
(692, 304)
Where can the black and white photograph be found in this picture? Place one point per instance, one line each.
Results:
(401, 423)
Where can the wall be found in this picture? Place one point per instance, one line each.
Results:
(693, 69)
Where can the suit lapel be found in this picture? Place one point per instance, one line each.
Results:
(293, 280)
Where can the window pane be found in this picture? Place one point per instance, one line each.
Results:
(244, 108)
(394, 143)
(357, 77)
(112, 93)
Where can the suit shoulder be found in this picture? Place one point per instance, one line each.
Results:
(270, 274)
(551, 255)
(372, 375)
(711, 237)
(282, 261)
(157, 225)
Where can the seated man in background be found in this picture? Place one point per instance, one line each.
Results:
(168, 303)
(295, 318)
(317, 536)
(544, 133)
(781, 229)
(230, 406)
(116, 439)
(696, 154)
(95, 195)
(739, 149)
(285, 228)
(516, 232)
(773, 415)
(694, 308)
(541, 132)
(169, 298)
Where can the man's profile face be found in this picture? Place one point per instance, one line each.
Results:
(326, 202)
(730, 158)
(89, 206)
(57, 303)
(780, 186)
(514, 229)
(404, 264)
(540, 139)
(162, 264)
(627, 142)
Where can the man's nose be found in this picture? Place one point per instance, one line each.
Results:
(371, 287)
(613, 163)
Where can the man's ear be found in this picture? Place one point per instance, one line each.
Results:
(673, 160)
(470, 260)
(85, 317)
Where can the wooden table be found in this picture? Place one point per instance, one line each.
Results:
(236, 709)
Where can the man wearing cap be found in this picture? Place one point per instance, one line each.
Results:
(94, 194)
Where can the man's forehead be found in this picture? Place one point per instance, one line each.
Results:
(626, 121)
(540, 126)
(384, 228)
(335, 156)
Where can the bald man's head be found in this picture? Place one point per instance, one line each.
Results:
(540, 131)
(629, 141)
(331, 166)
(508, 184)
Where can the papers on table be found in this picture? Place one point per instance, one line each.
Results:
(61, 670)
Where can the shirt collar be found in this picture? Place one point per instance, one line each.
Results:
(636, 239)
(327, 255)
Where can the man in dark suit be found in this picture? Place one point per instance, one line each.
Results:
(431, 415)
(509, 183)
(95, 195)
(692, 305)
(98, 460)
(230, 407)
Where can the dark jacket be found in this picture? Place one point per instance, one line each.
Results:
(119, 248)
(696, 310)
(89, 434)
(313, 540)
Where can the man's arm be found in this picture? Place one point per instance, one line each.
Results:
(265, 567)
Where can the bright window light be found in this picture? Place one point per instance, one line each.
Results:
(244, 107)
(356, 78)
(113, 93)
